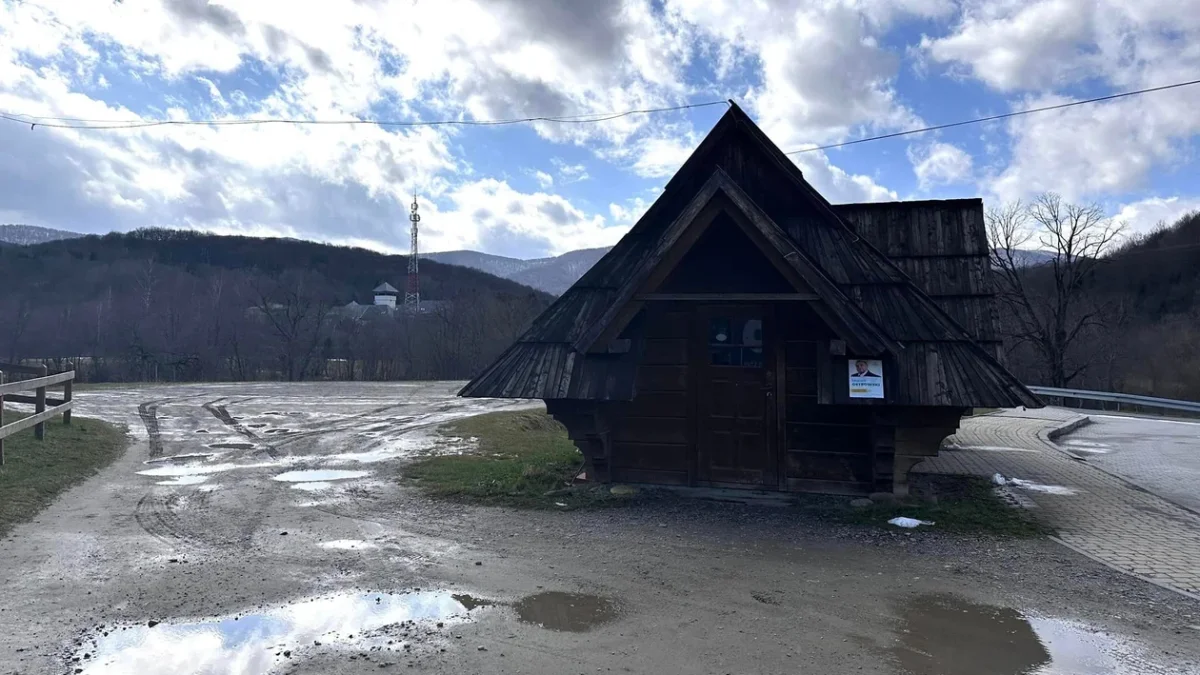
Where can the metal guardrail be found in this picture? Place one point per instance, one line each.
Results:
(1131, 400)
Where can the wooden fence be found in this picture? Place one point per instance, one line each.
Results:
(42, 380)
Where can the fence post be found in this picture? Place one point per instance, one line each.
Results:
(67, 399)
(40, 407)
(1, 420)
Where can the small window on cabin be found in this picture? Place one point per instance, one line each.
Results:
(735, 342)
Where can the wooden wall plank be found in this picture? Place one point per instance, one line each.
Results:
(652, 456)
(659, 404)
(665, 351)
(659, 477)
(672, 430)
(662, 378)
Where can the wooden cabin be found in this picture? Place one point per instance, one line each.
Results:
(747, 333)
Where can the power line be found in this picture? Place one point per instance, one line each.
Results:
(995, 117)
(97, 124)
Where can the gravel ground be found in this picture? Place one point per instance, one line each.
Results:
(241, 572)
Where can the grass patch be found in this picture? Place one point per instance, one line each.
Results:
(971, 507)
(521, 457)
(35, 472)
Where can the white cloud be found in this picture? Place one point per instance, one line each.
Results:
(824, 71)
(490, 215)
(809, 73)
(1145, 215)
(1049, 47)
(661, 156)
(838, 185)
(569, 173)
(1047, 43)
(939, 164)
(1091, 151)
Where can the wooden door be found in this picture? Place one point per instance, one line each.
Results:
(735, 389)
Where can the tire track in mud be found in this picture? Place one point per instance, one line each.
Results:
(148, 411)
(183, 521)
(157, 514)
(347, 423)
(222, 413)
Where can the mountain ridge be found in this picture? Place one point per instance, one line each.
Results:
(30, 235)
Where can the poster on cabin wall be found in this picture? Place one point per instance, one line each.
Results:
(866, 378)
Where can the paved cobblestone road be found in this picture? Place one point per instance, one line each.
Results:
(1162, 456)
(1095, 513)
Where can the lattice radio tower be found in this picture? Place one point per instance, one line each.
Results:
(412, 289)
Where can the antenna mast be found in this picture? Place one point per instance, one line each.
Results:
(412, 290)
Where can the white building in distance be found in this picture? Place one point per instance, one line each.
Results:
(385, 295)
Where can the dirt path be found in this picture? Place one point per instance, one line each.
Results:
(665, 586)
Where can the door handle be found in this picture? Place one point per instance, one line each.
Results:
(770, 393)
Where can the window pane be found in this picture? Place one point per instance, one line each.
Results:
(752, 333)
(725, 356)
(719, 332)
(752, 357)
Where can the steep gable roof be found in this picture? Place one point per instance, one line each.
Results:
(864, 297)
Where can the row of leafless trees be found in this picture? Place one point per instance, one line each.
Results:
(161, 323)
(1078, 319)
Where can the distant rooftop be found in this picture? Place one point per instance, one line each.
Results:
(385, 287)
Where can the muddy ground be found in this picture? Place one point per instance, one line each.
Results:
(237, 560)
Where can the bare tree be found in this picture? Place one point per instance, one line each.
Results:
(17, 313)
(296, 312)
(1048, 310)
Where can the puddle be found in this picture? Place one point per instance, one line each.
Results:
(187, 469)
(409, 445)
(319, 475)
(181, 459)
(1038, 487)
(232, 446)
(471, 602)
(170, 469)
(352, 545)
(571, 612)
(943, 635)
(184, 480)
(252, 644)
(312, 487)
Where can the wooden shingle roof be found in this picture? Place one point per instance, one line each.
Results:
(866, 297)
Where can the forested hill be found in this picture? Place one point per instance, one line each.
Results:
(175, 305)
(1160, 272)
(1143, 300)
(77, 266)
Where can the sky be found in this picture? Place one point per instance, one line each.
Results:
(810, 73)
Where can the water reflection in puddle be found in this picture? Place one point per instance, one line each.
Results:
(943, 635)
(250, 644)
(319, 475)
(312, 487)
(184, 480)
(349, 545)
(572, 612)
